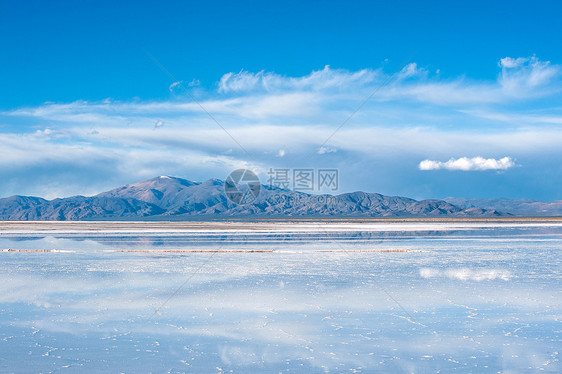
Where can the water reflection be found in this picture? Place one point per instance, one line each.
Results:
(464, 301)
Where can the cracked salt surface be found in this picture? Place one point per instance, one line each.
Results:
(440, 298)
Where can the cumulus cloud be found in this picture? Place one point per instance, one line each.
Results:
(510, 62)
(469, 164)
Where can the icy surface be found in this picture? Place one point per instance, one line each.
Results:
(348, 298)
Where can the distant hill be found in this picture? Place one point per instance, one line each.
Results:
(170, 198)
(520, 207)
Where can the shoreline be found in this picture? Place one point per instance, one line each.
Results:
(238, 226)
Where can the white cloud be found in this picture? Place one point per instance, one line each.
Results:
(523, 75)
(411, 70)
(523, 78)
(322, 93)
(317, 80)
(518, 118)
(174, 85)
(91, 167)
(469, 164)
(510, 63)
(406, 121)
(46, 132)
(445, 93)
(324, 150)
(178, 84)
(241, 81)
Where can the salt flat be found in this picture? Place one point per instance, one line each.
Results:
(420, 296)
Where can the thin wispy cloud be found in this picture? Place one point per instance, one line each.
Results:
(416, 116)
(326, 78)
(174, 85)
(520, 73)
(324, 150)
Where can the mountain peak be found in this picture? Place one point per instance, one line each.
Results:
(163, 180)
(213, 182)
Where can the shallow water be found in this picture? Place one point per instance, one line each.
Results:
(358, 298)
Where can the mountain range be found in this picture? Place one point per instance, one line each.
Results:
(519, 207)
(171, 198)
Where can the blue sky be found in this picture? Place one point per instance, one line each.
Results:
(471, 106)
